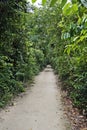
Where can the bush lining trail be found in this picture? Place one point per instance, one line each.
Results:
(39, 109)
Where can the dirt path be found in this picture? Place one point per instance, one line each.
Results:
(39, 109)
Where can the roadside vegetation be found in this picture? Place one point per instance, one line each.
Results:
(30, 38)
(20, 54)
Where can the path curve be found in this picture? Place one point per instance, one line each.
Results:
(39, 109)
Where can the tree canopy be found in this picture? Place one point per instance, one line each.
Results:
(31, 38)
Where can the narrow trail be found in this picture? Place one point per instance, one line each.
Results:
(39, 109)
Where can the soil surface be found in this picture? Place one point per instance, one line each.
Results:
(39, 108)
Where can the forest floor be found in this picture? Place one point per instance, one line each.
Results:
(39, 108)
(77, 119)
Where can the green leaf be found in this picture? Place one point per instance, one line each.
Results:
(74, 8)
(33, 1)
(74, 40)
(66, 9)
(63, 2)
(53, 2)
(43, 2)
(74, 1)
(70, 9)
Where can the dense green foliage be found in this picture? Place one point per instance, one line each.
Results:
(49, 35)
(66, 36)
(71, 52)
(20, 55)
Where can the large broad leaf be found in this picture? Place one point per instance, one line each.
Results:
(70, 9)
(43, 2)
(33, 1)
(66, 9)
